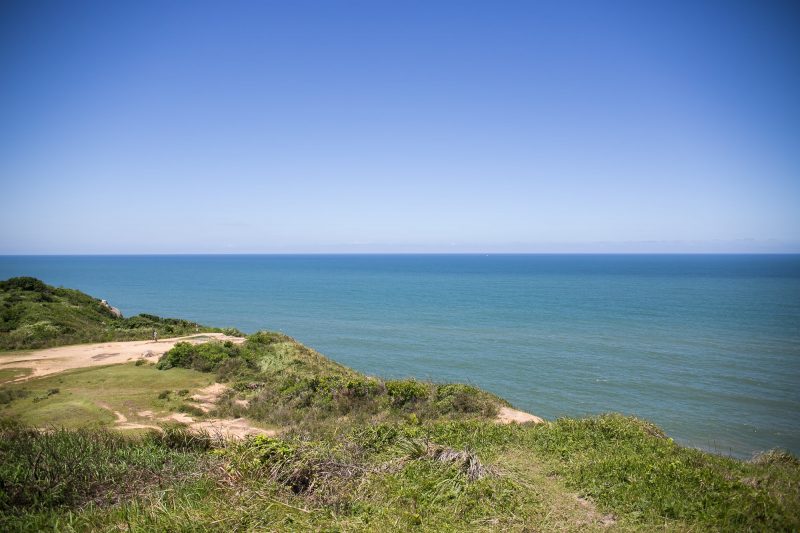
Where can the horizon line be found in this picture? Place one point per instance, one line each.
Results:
(243, 254)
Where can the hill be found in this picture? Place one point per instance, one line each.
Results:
(336, 450)
(36, 315)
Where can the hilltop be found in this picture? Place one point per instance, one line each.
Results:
(147, 443)
(36, 315)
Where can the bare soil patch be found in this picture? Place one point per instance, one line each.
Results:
(507, 415)
(52, 360)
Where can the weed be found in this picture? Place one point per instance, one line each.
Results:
(9, 395)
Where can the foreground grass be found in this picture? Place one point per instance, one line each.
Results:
(633, 468)
(392, 477)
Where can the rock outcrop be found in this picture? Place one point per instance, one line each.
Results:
(114, 311)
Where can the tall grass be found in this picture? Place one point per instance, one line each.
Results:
(54, 468)
(630, 467)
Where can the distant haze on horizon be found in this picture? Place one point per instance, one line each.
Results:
(413, 127)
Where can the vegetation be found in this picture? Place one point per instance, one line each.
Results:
(437, 476)
(36, 315)
(91, 396)
(351, 453)
(278, 381)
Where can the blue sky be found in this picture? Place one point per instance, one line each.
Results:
(247, 127)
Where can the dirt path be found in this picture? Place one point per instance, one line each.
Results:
(52, 360)
(207, 397)
(237, 428)
(567, 511)
(122, 420)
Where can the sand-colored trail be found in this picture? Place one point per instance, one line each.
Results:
(52, 360)
(235, 428)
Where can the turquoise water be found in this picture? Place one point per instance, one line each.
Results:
(706, 346)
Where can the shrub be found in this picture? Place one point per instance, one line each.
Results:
(404, 391)
(203, 357)
(362, 387)
(269, 448)
(9, 395)
(25, 283)
(49, 393)
(230, 368)
(459, 398)
(264, 338)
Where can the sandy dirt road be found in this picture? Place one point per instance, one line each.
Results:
(52, 360)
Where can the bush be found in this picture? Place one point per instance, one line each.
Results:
(25, 283)
(269, 448)
(230, 368)
(404, 391)
(203, 357)
(49, 393)
(9, 395)
(362, 388)
(265, 338)
(459, 398)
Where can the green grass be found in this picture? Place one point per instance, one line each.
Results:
(41, 473)
(10, 374)
(630, 467)
(388, 479)
(85, 393)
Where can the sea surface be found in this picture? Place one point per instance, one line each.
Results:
(706, 346)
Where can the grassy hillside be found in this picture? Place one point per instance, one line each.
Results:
(36, 315)
(351, 453)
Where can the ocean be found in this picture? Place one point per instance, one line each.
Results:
(705, 346)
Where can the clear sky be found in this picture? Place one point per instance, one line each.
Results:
(377, 126)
